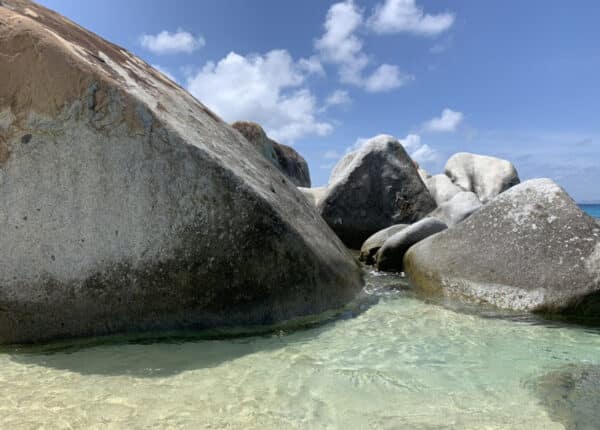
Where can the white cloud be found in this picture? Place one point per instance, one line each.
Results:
(166, 42)
(338, 97)
(164, 72)
(417, 150)
(396, 16)
(265, 88)
(449, 121)
(386, 77)
(340, 45)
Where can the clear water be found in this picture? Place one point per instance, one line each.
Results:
(401, 363)
(593, 210)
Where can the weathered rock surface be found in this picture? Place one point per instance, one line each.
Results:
(313, 195)
(373, 188)
(126, 205)
(572, 396)
(441, 188)
(485, 176)
(531, 248)
(376, 241)
(458, 208)
(286, 159)
(389, 257)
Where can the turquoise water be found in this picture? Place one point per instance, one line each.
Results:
(593, 210)
(394, 361)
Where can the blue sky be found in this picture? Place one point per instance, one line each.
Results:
(515, 79)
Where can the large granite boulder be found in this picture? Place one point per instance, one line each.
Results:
(373, 188)
(389, 256)
(441, 188)
(281, 156)
(370, 247)
(458, 208)
(531, 248)
(485, 176)
(126, 205)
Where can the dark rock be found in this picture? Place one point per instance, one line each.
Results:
(572, 396)
(376, 241)
(374, 188)
(531, 248)
(281, 156)
(389, 257)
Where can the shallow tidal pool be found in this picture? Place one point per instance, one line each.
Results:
(394, 362)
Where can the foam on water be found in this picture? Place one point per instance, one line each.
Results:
(402, 363)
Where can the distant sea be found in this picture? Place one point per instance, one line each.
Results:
(593, 210)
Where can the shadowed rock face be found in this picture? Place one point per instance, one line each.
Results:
(370, 247)
(389, 256)
(281, 156)
(374, 188)
(126, 205)
(531, 248)
(572, 396)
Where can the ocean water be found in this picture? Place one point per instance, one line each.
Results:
(593, 210)
(393, 361)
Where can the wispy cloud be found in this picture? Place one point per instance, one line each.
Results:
(338, 97)
(331, 155)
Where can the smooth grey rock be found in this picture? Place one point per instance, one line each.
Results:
(485, 176)
(126, 205)
(572, 396)
(389, 257)
(313, 195)
(531, 248)
(376, 241)
(441, 188)
(286, 159)
(374, 188)
(458, 208)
